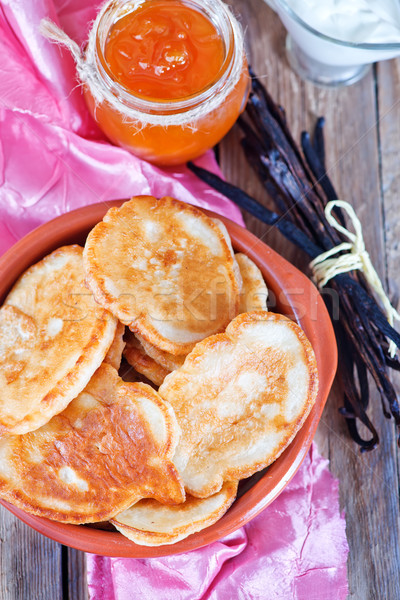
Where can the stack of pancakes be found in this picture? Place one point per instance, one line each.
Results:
(142, 376)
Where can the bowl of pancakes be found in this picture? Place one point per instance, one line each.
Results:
(163, 373)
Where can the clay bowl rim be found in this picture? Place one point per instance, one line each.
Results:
(296, 297)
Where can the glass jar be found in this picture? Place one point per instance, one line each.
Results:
(167, 132)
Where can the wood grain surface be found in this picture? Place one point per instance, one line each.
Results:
(363, 149)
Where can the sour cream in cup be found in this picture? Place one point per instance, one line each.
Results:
(334, 42)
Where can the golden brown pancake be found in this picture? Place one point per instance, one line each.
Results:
(228, 240)
(169, 361)
(153, 524)
(136, 356)
(114, 354)
(254, 292)
(165, 269)
(240, 398)
(53, 336)
(129, 374)
(253, 296)
(111, 447)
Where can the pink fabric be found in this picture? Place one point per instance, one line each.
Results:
(53, 159)
(296, 549)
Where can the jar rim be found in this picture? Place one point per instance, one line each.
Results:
(221, 17)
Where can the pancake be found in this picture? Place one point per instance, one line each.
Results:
(169, 361)
(136, 356)
(254, 292)
(150, 523)
(114, 354)
(228, 240)
(111, 447)
(164, 269)
(240, 398)
(128, 373)
(253, 296)
(53, 336)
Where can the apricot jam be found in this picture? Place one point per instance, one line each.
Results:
(170, 76)
(165, 51)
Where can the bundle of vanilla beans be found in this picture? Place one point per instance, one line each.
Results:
(297, 183)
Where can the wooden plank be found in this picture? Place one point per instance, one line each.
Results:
(77, 575)
(30, 564)
(368, 483)
(388, 85)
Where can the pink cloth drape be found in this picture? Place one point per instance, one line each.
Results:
(296, 549)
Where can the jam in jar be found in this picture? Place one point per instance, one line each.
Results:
(166, 78)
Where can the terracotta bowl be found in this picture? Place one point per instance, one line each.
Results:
(291, 293)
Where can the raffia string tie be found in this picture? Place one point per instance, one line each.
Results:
(355, 257)
(52, 32)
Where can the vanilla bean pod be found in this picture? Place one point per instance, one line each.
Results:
(252, 148)
(315, 163)
(270, 124)
(319, 141)
(274, 175)
(282, 165)
(355, 401)
(246, 202)
(315, 156)
(279, 115)
(393, 363)
(266, 109)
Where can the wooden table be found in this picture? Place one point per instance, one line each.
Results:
(363, 156)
